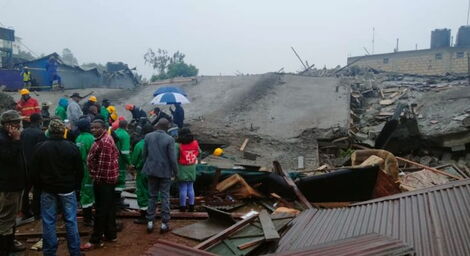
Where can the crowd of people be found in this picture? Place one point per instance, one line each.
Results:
(81, 157)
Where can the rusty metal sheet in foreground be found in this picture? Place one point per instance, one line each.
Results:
(167, 248)
(365, 245)
(433, 220)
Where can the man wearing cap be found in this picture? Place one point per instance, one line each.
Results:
(27, 106)
(92, 101)
(12, 178)
(57, 170)
(73, 109)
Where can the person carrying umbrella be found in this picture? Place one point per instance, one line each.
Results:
(178, 115)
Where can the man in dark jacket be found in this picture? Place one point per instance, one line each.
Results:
(160, 166)
(57, 171)
(30, 137)
(178, 115)
(159, 114)
(12, 178)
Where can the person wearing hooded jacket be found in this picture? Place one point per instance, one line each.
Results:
(61, 109)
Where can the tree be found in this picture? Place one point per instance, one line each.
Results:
(68, 58)
(169, 66)
(92, 65)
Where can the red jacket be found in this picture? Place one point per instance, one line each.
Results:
(189, 153)
(29, 107)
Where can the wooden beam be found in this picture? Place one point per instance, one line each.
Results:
(428, 168)
(292, 184)
(242, 148)
(251, 243)
(226, 233)
(270, 232)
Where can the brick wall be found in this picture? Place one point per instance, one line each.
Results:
(423, 62)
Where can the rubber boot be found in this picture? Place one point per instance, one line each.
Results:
(4, 251)
(182, 208)
(191, 208)
(88, 216)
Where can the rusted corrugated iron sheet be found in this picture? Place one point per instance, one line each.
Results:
(365, 245)
(167, 248)
(434, 221)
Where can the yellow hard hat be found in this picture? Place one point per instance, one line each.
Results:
(218, 152)
(111, 109)
(93, 98)
(24, 91)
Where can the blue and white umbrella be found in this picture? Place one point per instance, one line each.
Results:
(166, 89)
(169, 98)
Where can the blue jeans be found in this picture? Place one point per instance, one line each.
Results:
(49, 202)
(161, 185)
(186, 191)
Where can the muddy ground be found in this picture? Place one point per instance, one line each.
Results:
(133, 240)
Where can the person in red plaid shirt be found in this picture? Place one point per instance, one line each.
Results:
(103, 165)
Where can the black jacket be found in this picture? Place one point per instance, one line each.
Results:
(161, 115)
(12, 164)
(30, 137)
(57, 166)
(138, 113)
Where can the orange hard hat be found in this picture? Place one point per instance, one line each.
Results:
(129, 107)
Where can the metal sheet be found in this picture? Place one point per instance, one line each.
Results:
(364, 245)
(434, 221)
(167, 248)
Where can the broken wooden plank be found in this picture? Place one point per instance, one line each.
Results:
(428, 168)
(292, 184)
(251, 243)
(242, 148)
(226, 233)
(270, 233)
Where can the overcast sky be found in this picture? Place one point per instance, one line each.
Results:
(226, 36)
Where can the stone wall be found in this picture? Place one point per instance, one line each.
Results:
(421, 62)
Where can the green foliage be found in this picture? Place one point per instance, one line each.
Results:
(169, 66)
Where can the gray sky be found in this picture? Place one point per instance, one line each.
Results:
(225, 36)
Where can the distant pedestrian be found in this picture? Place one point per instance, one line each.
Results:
(178, 115)
(27, 79)
(187, 150)
(12, 179)
(30, 137)
(46, 116)
(84, 141)
(61, 109)
(104, 169)
(57, 172)
(160, 166)
(74, 112)
(141, 181)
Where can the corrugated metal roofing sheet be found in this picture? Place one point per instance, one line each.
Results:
(434, 221)
(365, 245)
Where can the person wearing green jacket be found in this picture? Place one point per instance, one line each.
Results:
(84, 141)
(187, 152)
(104, 111)
(124, 146)
(61, 109)
(141, 183)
